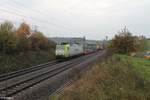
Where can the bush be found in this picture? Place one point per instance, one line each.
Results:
(39, 42)
(126, 43)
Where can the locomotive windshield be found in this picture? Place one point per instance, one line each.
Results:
(60, 47)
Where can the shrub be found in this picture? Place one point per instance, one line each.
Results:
(39, 42)
(126, 43)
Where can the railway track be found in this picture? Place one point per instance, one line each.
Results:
(20, 85)
(27, 70)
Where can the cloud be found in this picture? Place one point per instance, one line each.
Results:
(92, 18)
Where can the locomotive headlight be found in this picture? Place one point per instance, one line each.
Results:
(59, 52)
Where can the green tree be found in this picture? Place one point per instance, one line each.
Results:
(7, 37)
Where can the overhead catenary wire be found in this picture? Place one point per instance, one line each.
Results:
(41, 13)
(32, 18)
(41, 23)
(32, 25)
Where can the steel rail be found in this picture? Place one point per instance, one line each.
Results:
(52, 70)
(41, 79)
(27, 83)
(27, 70)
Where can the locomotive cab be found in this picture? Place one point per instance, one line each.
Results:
(68, 50)
(62, 50)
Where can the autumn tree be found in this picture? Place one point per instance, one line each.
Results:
(39, 42)
(22, 34)
(22, 39)
(125, 42)
(23, 30)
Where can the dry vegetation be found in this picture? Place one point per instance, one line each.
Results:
(126, 43)
(115, 79)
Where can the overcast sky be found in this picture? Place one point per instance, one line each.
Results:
(94, 19)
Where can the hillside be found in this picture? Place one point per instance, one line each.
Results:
(21, 47)
(12, 62)
(118, 78)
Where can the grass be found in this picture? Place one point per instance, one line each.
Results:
(15, 62)
(147, 42)
(118, 78)
(140, 65)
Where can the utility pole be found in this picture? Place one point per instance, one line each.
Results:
(84, 43)
(35, 28)
(106, 38)
(125, 30)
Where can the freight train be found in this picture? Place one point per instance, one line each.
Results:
(66, 50)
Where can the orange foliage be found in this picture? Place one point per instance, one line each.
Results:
(23, 30)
